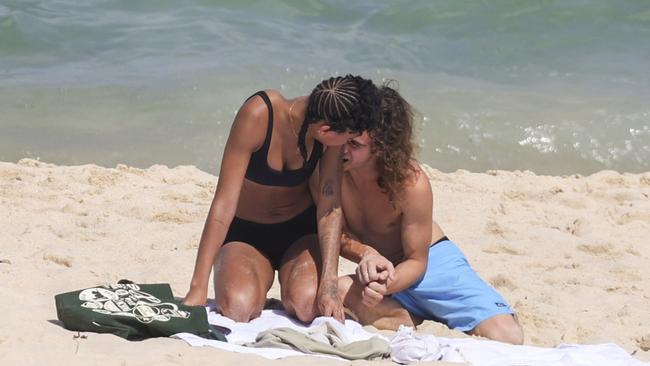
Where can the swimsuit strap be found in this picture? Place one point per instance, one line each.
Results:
(269, 129)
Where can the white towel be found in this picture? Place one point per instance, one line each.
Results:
(408, 347)
(247, 332)
(480, 352)
(476, 352)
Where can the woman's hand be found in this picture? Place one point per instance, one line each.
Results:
(328, 301)
(195, 298)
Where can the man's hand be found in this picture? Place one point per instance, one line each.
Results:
(195, 298)
(373, 293)
(376, 272)
(328, 301)
(375, 267)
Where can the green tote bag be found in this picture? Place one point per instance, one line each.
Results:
(132, 311)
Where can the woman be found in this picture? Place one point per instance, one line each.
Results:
(263, 217)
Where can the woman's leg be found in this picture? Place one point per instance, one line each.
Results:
(242, 277)
(299, 278)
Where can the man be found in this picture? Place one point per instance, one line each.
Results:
(402, 278)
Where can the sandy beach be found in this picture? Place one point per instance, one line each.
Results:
(569, 253)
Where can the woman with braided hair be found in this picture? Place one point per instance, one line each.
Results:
(263, 217)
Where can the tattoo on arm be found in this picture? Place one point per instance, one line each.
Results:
(328, 190)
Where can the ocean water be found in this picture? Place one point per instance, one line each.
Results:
(556, 87)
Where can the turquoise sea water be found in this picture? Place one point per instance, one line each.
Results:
(556, 87)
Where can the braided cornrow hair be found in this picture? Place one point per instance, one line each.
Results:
(345, 103)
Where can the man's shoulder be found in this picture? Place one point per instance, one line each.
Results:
(419, 182)
(417, 189)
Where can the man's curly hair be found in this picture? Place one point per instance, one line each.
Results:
(392, 143)
(346, 104)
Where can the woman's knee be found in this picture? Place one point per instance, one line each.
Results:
(242, 276)
(239, 306)
(301, 303)
(299, 280)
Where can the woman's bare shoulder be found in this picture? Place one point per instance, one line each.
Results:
(250, 124)
(253, 108)
(277, 99)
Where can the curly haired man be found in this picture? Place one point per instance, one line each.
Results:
(408, 270)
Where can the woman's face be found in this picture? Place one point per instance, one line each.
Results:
(328, 137)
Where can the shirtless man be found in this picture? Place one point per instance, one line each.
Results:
(402, 278)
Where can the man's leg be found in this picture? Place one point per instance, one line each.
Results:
(452, 292)
(299, 278)
(388, 314)
(502, 327)
(242, 277)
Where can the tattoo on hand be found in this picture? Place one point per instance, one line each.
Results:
(328, 190)
(330, 289)
(333, 292)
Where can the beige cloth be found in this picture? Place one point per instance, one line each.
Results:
(323, 340)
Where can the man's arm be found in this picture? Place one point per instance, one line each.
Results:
(417, 205)
(329, 214)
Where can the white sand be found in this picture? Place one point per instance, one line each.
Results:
(569, 253)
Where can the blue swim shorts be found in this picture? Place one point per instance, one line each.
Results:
(451, 292)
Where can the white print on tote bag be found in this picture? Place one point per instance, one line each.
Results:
(128, 300)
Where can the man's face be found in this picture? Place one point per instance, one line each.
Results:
(357, 152)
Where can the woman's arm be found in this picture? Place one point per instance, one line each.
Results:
(245, 137)
(329, 231)
(351, 248)
(354, 250)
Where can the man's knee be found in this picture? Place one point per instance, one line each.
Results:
(502, 328)
(238, 306)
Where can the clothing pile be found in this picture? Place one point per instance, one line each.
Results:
(268, 336)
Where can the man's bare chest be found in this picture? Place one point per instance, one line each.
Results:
(369, 214)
